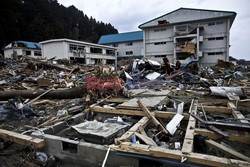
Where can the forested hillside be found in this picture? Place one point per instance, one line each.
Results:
(38, 20)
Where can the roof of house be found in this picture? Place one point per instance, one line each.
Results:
(33, 45)
(76, 42)
(122, 37)
(191, 14)
(23, 44)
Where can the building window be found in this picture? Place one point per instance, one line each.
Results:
(160, 56)
(117, 53)
(28, 52)
(160, 29)
(215, 23)
(129, 52)
(73, 47)
(215, 53)
(215, 38)
(129, 44)
(110, 52)
(95, 50)
(160, 43)
(115, 45)
(37, 53)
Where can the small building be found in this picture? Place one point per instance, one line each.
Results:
(128, 45)
(84, 52)
(22, 48)
(186, 34)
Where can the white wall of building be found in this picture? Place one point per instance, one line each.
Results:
(122, 48)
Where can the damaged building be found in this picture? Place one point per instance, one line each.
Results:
(22, 48)
(186, 34)
(84, 52)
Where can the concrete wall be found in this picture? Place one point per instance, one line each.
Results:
(53, 49)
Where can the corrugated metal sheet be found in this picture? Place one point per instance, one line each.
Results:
(122, 37)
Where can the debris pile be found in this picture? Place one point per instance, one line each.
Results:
(166, 113)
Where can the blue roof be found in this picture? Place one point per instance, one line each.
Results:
(32, 45)
(122, 37)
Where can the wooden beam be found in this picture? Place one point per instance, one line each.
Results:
(228, 151)
(202, 159)
(151, 116)
(224, 110)
(232, 136)
(116, 100)
(158, 114)
(146, 139)
(189, 136)
(236, 114)
(126, 136)
(22, 139)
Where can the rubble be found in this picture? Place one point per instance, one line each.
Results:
(79, 114)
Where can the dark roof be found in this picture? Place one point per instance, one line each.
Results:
(231, 12)
(122, 37)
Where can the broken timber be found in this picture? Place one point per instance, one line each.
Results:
(152, 117)
(189, 136)
(22, 139)
(230, 152)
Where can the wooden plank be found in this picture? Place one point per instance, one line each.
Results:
(225, 110)
(236, 114)
(158, 114)
(232, 137)
(152, 117)
(202, 159)
(22, 139)
(146, 139)
(116, 100)
(228, 151)
(189, 136)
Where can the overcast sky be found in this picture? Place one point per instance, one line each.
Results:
(127, 15)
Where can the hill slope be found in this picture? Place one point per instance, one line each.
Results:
(38, 20)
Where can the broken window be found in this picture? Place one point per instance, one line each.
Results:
(215, 23)
(73, 47)
(129, 52)
(215, 38)
(28, 52)
(160, 29)
(160, 56)
(115, 45)
(37, 53)
(160, 43)
(95, 50)
(129, 44)
(110, 52)
(215, 53)
(69, 147)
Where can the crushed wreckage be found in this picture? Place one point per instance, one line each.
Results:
(141, 113)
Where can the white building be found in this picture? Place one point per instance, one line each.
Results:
(85, 52)
(185, 34)
(22, 48)
(128, 45)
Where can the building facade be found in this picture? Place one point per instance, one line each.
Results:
(186, 34)
(22, 48)
(84, 52)
(128, 45)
